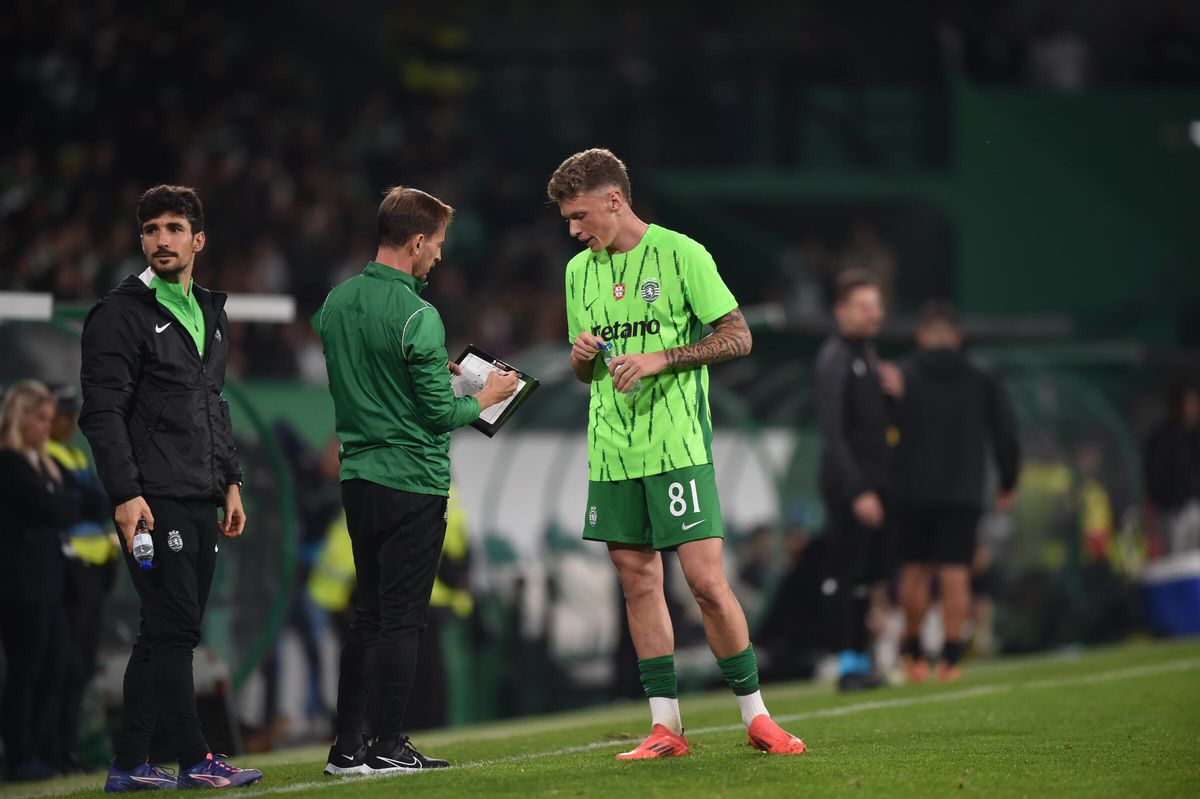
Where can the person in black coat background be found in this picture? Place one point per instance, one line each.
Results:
(38, 509)
(1172, 471)
(948, 412)
(853, 417)
(91, 572)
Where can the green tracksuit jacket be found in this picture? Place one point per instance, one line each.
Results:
(385, 349)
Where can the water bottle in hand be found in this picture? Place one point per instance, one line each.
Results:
(143, 546)
(606, 353)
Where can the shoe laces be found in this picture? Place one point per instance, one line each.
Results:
(402, 742)
(218, 762)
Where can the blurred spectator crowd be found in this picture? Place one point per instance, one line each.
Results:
(290, 129)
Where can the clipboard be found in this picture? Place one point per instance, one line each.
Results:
(476, 365)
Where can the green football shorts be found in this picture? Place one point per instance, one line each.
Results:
(661, 510)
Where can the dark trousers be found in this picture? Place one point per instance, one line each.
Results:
(427, 708)
(397, 538)
(859, 557)
(88, 587)
(34, 636)
(158, 680)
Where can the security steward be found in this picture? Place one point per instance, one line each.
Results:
(91, 572)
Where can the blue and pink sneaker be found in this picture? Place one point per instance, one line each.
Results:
(213, 772)
(145, 777)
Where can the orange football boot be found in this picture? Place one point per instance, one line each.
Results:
(915, 671)
(948, 673)
(768, 736)
(660, 743)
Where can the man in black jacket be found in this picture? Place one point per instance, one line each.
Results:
(853, 423)
(947, 412)
(154, 352)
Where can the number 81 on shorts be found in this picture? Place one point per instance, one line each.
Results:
(660, 510)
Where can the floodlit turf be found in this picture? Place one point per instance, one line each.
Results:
(1112, 722)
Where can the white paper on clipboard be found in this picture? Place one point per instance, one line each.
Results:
(475, 371)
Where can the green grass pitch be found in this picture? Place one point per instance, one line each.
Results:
(1110, 722)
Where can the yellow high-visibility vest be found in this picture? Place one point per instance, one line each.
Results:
(455, 548)
(331, 581)
(94, 549)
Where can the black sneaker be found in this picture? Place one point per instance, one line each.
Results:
(850, 683)
(385, 757)
(341, 763)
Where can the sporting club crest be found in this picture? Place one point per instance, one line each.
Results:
(174, 540)
(650, 290)
(592, 516)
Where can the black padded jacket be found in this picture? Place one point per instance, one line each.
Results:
(152, 407)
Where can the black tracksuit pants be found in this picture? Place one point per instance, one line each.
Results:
(159, 690)
(858, 558)
(397, 538)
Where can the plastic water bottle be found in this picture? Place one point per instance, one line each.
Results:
(143, 546)
(606, 354)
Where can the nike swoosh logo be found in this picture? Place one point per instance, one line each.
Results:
(347, 757)
(158, 329)
(588, 306)
(399, 764)
(693, 524)
(742, 680)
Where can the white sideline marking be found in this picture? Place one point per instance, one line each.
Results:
(845, 710)
(885, 704)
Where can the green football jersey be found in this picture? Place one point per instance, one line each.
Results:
(657, 296)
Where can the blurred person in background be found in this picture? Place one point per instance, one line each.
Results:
(948, 413)
(331, 582)
(1108, 606)
(853, 422)
(1172, 464)
(1093, 507)
(651, 482)
(314, 480)
(389, 375)
(154, 351)
(91, 570)
(39, 507)
(793, 641)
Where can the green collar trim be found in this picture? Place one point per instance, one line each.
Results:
(382, 272)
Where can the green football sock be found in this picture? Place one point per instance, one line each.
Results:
(741, 671)
(658, 676)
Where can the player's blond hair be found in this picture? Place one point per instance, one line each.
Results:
(592, 169)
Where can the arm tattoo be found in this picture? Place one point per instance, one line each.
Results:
(730, 339)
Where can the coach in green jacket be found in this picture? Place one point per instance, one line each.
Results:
(389, 374)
